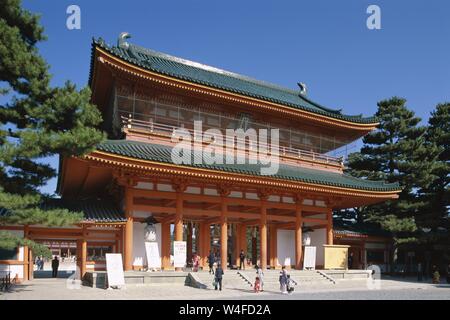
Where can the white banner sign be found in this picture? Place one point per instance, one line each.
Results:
(153, 257)
(179, 254)
(114, 268)
(309, 261)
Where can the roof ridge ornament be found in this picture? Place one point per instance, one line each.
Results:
(302, 87)
(121, 41)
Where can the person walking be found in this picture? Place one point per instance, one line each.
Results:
(218, 277)
(242, 260)
(283, 280)
(211, 260)
(55, 266)
(260, 275)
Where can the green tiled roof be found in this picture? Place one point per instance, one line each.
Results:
(159, 153)
(220, 79)
(358, 229)
(93, 210)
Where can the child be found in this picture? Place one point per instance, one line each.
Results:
(289, 284)
(257, 285)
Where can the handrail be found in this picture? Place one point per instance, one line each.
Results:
(169, 130)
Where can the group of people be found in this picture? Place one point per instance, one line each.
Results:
(39, 262)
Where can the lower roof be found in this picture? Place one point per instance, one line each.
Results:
(162, 154)
(94, 210)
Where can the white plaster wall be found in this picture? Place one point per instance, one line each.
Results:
(139, 255)
(318, 239)
(285, 247)
(16, 270)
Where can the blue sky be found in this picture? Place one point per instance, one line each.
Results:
(325, 44)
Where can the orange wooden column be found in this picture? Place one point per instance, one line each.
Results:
(237, 243)
(298, 237)
(189, 245)
(273, 246)
(263, 234)
(83, 253)
(243, 239)
(165, 245)
(330, 227)
(224, 233)
(179, 220)
(26, 264)
(206, 243)
(128, 236)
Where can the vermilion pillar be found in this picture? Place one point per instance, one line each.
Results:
(165, 245)
(83, 253)
(26, 264)
(273, 246)
(201, 243)
(298, 237)
(243, 239)
(128, 236)
(263, 235)
(330, 227)
(224, 233)
(237, 243)
(179, 220)
(207, 243)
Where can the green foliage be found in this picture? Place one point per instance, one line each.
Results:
(36, 121)
(434, 191)
(11, 241)
(416, 157)
(389, 154)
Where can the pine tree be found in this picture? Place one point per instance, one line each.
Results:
(433, 217)
(36, 121)
(389, 154)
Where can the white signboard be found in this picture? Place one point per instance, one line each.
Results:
(179, 254)
(153, 257)
(114, 268)
(309, 261)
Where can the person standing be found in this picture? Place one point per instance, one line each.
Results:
(211, 259)
(283, 280)
(55, 266)
(260, 275)
(218, 277)
(242, 260)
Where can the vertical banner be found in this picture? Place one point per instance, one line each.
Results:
(179, 254)
(114, 269)
(309, 261)
(153, 257)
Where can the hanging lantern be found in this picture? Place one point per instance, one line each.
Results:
(306, 238)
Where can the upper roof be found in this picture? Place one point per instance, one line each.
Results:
(220, 79)
(160, 153)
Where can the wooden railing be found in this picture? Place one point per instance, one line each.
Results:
(284, 151)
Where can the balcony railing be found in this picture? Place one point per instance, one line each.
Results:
(166, 130)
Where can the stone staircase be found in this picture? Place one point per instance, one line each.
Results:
(300, 278)
(231, 280)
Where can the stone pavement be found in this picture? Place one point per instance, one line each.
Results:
(56, 289)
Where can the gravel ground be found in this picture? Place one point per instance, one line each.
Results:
(390, 289)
